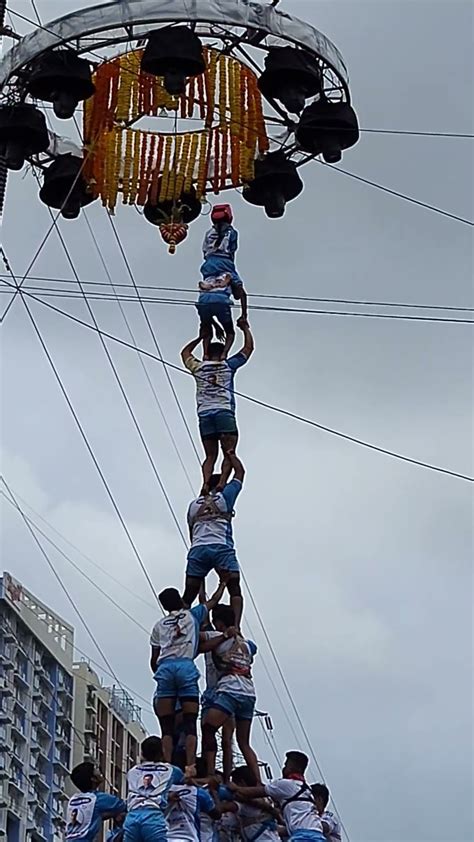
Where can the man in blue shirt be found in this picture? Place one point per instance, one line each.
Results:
(220, 280)
(215, 400)
(212, 543)
(174, 646)
(89, 808)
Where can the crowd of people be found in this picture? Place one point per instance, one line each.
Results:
(172, 792)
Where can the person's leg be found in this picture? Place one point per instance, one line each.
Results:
(228, 729)
(190, 715)
(198, 566)
(243, 727)
(205, 317)
(235, 594)
(215, 718)
(211, 449)
(228, 442)
(165, 708)
(227, 568)
(224, 314)
(191, 589)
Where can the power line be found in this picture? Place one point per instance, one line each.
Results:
(374, 184)
(96, 296)
(142, 362)
(80, 552)
(400, 195)
(153, 335)
(61, 583)
(258, 402)
(273, 296)
(76, 567)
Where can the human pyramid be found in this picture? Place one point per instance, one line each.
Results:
(172, 793)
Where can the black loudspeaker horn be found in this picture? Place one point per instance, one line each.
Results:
(23, 133)
(64, 186)
(276, 182)
(291, 76)
(326, 128)
(175, 53)
(64, 79)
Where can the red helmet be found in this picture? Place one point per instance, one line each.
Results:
(222, 213)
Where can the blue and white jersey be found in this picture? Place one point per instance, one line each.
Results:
(177, 634)
(223, 244)
(218, 270)
(256, 824)
(209, 827)
(183, 815)
(233, 660)
(228, 828)
(332, 828)
(299, 814)
(86, 811)
(215, 382)
(204, 521)
(149, 784)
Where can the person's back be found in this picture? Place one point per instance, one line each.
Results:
(331, 825)
(215, 383)
(298, 808)
(210, 516)
(183, 815)
(256, 823)
(177, 634)
(148, 787)
(89, 807)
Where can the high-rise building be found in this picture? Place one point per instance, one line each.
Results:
(107, 728)
(53, 714)
(36, 711)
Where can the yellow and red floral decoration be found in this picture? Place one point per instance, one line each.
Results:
(160, 166)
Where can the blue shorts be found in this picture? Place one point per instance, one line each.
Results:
(239, 706)
(207, 701)
(217, 424)
(203, 559)
(177, 678)
(146, 825)
(217, 309)
(307, 836)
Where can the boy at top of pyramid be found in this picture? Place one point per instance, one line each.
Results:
(220, 280)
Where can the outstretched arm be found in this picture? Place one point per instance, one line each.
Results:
(216, 596)
(214, 642)
(189, 348)
(249, 343)
(248, 792)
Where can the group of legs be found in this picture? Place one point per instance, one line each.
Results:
(178, 717)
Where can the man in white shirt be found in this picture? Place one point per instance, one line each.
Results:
(186, 803)
(215, 399)
(212, 541)
(148, 785)
(257, 819)
(331, 826)
(294, 798)
(234, 694)
(174, 646)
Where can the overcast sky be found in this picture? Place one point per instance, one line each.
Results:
(360, 564)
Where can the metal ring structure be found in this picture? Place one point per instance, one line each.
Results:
(241, 30)
(232, 21)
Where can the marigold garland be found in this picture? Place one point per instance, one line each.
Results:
(144, 164)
